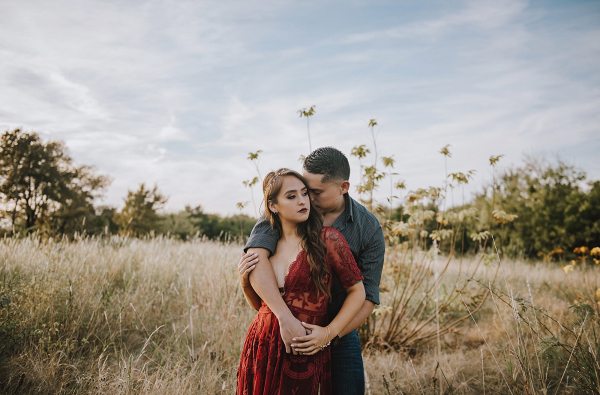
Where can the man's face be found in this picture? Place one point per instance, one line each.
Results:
(325, 196)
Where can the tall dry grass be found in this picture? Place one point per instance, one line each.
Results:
(157, 316)
(120, 316)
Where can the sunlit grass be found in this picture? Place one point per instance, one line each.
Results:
(159, 316)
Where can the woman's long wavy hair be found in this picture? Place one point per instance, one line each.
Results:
(309, 230)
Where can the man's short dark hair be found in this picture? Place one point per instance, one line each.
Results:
(330, 162)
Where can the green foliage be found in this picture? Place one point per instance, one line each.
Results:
(307, 114)
(194, 221)
(41, 188)
(555, 209)
(360, 151)
(77, 207)
(446, 151)
(253, 157)
(139, 217)
(370, 176)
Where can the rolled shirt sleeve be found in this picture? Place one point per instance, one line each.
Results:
(263, 236)
(371, 264)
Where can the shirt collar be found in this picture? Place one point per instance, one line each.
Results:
(348, 208)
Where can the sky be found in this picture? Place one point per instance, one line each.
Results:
(177, 93)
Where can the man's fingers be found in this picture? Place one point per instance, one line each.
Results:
(247, 262)
(247, 265)
(309, 326)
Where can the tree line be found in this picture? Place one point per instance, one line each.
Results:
(43, 191)
(553, 208)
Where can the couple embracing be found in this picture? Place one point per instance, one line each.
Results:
(312, 270)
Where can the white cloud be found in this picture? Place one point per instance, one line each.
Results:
(178, 93)
(484, 14)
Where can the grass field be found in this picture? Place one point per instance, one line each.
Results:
(158, 316)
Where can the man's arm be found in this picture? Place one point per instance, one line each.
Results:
(371, 265)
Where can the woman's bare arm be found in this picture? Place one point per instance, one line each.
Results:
(312, 343)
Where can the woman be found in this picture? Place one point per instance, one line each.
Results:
(306, 258)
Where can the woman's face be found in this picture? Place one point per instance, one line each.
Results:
(293, 203)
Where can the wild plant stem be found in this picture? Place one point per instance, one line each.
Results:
(571, 356)
(486, 343)
(417, 377)
(308, 130)
(482, 370)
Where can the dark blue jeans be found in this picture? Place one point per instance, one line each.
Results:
(347, 371)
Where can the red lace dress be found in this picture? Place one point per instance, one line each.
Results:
(265, 368)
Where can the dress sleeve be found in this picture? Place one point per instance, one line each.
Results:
(262, 236)
(340, 259)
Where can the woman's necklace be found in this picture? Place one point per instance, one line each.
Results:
(282, 267)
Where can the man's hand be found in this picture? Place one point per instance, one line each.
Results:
(290, 328)
(246, 265)
(315, 341)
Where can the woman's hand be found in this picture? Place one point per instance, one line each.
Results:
(246, 265)
(317, 339)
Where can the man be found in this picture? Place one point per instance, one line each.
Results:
(327, 172)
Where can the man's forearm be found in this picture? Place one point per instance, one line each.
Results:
(359, 318)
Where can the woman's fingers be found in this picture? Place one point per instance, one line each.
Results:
(303, 339)
(313, 349)
(312, 352)
(305, 350)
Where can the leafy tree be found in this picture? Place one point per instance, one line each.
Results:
(14, 164)
(39, 183)
(102, 222)
(139, 216)
(179, 225)
(191, 221)
(77, 208)
(553, 208)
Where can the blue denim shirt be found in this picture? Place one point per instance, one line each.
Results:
(363, 234)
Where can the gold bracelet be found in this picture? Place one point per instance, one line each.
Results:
(323, 345)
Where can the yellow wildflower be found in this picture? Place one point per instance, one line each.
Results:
(568, 268)
(595, 251)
